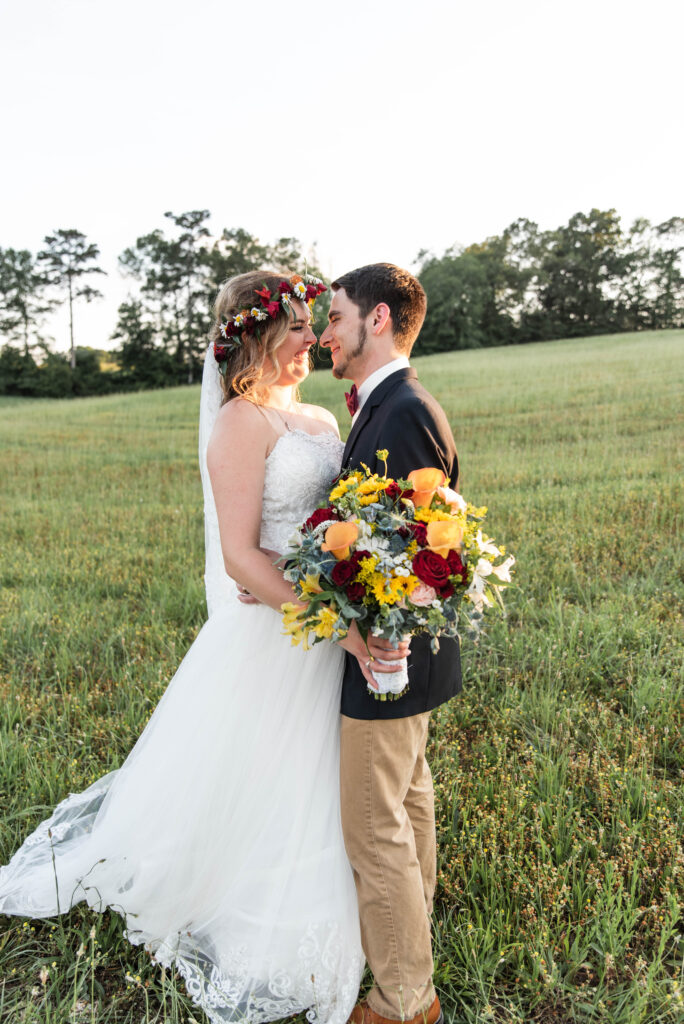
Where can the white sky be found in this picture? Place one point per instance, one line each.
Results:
(372, 128)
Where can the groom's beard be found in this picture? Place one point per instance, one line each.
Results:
(341, 369)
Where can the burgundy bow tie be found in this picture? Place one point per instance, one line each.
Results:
(352, 399)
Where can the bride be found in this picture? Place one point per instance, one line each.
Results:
(219, 838)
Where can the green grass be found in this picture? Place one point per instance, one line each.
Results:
(558, 771)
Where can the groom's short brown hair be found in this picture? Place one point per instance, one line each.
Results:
(401, 291)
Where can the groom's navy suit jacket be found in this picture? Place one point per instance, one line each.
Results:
(401, 416)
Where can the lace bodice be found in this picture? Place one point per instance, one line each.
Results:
(299, 471)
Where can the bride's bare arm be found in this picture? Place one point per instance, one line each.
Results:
(236, 459)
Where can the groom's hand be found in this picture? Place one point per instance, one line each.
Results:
(377, 648)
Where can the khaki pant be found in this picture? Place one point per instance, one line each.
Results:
(388, 819)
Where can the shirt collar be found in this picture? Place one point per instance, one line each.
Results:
(370, 383)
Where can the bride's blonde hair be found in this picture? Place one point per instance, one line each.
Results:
(247, 374)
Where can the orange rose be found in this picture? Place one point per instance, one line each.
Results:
(443, 537)
(338, 539)
(424, 483)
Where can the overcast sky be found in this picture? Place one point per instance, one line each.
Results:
(368, 129)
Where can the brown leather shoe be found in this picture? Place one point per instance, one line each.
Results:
(362, 1014)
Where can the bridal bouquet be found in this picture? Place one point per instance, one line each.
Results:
(398, 557)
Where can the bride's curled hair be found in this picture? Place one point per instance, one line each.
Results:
(252, 365)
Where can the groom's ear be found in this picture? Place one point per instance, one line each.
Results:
(380, 318)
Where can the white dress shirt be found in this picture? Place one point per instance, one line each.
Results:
(370, 383)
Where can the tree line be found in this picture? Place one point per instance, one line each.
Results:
(589, 276)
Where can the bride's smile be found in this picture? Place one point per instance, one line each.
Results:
(293, 354)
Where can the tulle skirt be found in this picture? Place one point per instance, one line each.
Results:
(219, 839)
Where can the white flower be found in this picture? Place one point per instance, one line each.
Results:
(285, 299)
(402, 570)
(487, 547)
(452, 498)
(300, 290)
(239, 320)
(503, 571)
(378, 545)
(259, 314)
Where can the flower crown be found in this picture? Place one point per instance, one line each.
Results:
(300, 289)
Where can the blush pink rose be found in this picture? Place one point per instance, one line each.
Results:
(423, 595)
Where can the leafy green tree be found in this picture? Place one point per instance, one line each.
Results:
(18, 371)
(456, 287)
(23, 302)
(578, 266)
(174, 280)
(68, 259)
(144, 364)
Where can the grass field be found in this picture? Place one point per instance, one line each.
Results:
(558, 771)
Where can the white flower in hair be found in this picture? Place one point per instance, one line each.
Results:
(285, 299)
(259, 314)
(239, 320)
(300, 290)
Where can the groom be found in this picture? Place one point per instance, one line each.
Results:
(387, 804)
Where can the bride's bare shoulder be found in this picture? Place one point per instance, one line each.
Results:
(241, 425)
(318, 412)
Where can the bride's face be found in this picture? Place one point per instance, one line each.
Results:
(293, 354)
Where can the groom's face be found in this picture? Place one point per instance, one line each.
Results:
(345, 336)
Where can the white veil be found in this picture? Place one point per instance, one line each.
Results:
(220, 588)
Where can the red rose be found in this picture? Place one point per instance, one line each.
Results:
(311, 292)
(356, 557)
(321, 515)
(343, 572)
(284, 287)
(355, 592)
(393, 490)
(431, 568)
(273, 309)
(456, 566)
(263, 293)
(250, 322)
(419, 531)
(447, 590)
(320, 288)
(220, 353)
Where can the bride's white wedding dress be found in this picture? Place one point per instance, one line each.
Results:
(219, 839)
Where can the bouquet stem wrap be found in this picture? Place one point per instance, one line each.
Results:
(391, 685)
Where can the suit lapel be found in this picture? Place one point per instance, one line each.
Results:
(376, 397)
